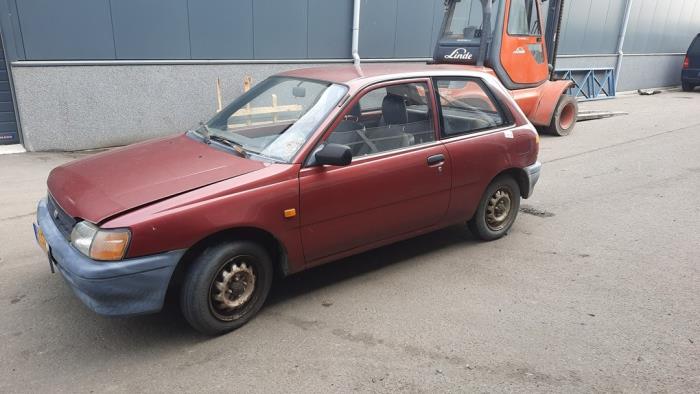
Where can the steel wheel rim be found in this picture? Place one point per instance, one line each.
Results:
(499, 209)
(232, 288)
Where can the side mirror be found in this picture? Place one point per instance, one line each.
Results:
(334, 155)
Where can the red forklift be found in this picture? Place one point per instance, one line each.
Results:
(508, 39)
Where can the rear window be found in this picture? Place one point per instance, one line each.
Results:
(695, 46)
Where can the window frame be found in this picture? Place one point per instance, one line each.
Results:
(348, 104)
(508, 120)
(539, 21)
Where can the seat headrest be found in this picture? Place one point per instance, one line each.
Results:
(394, 110)
(355, 111)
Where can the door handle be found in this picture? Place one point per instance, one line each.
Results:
(436, 159)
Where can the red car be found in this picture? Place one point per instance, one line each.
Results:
(307, 167)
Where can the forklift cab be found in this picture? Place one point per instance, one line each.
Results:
(504, 35)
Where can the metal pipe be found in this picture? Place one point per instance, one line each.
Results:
(621, 41)
(486, 32)
(356, 32)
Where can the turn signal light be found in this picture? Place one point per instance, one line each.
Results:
(109, 245)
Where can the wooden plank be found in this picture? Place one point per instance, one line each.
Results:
(268, 110)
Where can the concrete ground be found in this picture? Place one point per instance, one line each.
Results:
(596, 288)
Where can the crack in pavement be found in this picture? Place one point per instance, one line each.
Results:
(17, 216)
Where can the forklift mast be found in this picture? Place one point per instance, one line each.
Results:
(507, 36)
(552, 30)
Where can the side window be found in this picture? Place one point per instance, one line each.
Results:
(386, 119)
(467, 106)
(524, 19)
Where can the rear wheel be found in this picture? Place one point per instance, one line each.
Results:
(687, 87)
(225, 286)
(497, 209)
(564, 117)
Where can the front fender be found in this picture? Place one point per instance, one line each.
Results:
(549, 94)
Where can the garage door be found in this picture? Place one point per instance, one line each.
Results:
(8, 122)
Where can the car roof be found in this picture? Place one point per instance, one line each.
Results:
(373, 72)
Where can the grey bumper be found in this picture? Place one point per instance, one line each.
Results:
(119, 288)
(532, 173)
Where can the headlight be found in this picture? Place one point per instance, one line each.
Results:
(100, 244)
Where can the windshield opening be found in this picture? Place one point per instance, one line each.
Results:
(275, 118)
(465, 22)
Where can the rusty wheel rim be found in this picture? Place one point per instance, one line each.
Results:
(499, 209)
(232, 288)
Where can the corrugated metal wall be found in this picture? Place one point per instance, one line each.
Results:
(662, 26)
(8, 123)
(220, 29)
(303, 29)
(655, 26)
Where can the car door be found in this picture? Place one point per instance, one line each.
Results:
(399, 179)
(523, 54)
(479, 136)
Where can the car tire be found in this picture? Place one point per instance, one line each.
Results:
(216, 295)
(687, 87)
(564, 117)
(490, 222)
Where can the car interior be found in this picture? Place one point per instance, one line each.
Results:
(399, 116)
(402, 118)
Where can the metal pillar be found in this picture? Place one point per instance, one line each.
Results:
(621, 41)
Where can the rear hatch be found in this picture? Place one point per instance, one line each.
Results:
(693, 56)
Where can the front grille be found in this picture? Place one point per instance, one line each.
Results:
(63, 221)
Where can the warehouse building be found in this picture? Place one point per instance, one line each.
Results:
(82, 74)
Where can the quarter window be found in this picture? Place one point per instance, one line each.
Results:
(524, 19)
(466, 107)
(386, 119)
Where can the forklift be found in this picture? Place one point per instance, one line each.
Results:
(508, 39)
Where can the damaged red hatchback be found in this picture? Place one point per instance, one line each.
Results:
(307, 167)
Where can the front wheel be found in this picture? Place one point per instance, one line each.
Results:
(225, 286)
(497, 209)
(564, 117)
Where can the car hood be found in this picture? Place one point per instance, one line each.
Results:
(103, 185)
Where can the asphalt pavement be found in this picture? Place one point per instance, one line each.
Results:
(596, 288)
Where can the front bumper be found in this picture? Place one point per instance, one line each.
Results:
(532, 173)
(118, 288)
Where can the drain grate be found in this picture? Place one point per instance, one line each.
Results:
(536, 211)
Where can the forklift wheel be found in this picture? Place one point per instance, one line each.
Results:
(564, 117)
